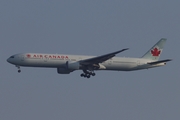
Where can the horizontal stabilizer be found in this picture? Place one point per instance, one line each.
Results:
(161, 61)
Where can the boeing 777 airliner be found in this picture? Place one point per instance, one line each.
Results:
(66, 64)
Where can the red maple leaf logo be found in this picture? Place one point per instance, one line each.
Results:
(155, 52)
(28, 55)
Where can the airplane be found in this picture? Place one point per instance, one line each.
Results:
(65, 64)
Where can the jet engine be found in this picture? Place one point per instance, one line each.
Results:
(63, 70)
(70, 67)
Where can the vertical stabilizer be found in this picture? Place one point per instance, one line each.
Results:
(155, 52)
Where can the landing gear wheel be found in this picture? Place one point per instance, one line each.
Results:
(93, 74)
(82, 75)
(87, 73)
(19, 70)
(88, 76)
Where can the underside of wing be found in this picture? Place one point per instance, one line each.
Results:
(100, 59)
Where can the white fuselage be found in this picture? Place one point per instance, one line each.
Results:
(66, 64)
(59, 60)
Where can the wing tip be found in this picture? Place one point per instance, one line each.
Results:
(125, 49)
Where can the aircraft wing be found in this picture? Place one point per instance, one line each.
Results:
(161, 61)
(100, 59)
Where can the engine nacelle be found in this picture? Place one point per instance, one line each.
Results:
(72, 65)
(63, 70)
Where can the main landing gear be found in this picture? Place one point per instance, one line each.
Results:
(87, 74)
(19, 70)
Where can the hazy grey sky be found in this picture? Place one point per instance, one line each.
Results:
(87, 27)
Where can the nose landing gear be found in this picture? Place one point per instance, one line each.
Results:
(19, 70)
(87, 74)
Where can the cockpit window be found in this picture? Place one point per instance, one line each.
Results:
(12, 57)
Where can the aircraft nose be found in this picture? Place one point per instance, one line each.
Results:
(8, 60)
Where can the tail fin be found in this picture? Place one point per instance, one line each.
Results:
(155, 52)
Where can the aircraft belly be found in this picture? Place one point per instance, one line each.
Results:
(120, 67)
